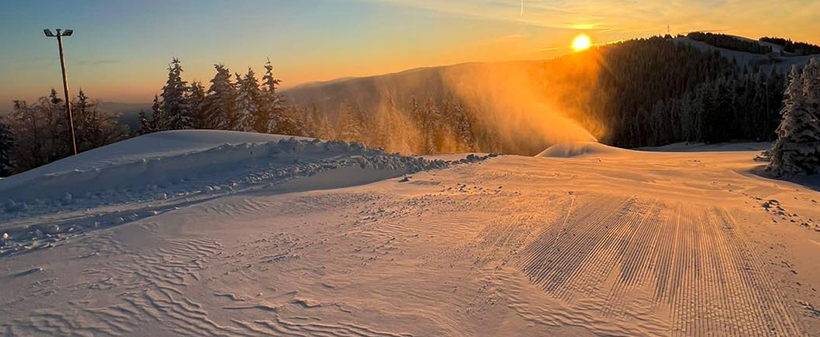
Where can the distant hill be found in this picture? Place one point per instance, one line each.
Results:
(778, 57)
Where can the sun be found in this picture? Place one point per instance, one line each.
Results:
(581, 42)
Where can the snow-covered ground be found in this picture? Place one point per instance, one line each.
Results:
(180, 234)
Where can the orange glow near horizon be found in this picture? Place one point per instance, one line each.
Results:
(582, 42)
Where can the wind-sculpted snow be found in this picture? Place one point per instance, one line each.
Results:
(124, 191)
(634, 244)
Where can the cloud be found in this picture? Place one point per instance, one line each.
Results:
(750, 17)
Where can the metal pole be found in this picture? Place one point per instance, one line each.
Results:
(65, 90)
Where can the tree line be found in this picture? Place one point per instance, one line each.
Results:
(241, 103)
(797, 48)
(37, 133)
(730, 42)
(231, 102)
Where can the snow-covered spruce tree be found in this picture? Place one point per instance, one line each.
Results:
(247, 101)
(271, 117)
(196, 104)
(349, 124)
(86, 122)
(157, 118)
(218, 108)
(797, 149)
(320, 124)
(6, 150)
(174, 105)
(811, 85)
(145, 125)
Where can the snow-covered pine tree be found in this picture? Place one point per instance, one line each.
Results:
(196, 103)
(464, 129)
(320, 124)
(349, 124)
(247, 101)
(428, 119)
(145, 125)
(157, 120)
(797, 149)
(6, 150)
(811, 85)
(218, 108)
(56, 129)
(174, 105)
(86, 125)
(271, 115)
(402, 131)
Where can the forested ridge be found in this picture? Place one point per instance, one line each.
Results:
(658, 91)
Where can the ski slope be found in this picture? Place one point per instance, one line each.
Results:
(581, 240)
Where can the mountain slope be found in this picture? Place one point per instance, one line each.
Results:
(645, 92)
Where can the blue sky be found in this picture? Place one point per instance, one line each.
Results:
(121, 48)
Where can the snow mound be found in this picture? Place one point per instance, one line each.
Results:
(156, 173)
(576, 149)
(179, 159)
(155, 145)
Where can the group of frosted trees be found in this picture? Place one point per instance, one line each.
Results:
(797, 149)
(38, 133)
(241, 103)
(231, 102)
(419, 127)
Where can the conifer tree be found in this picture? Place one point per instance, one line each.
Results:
(157, 121)
(349, 124)
(811, 85)
(320, 124)
(248, 97)
(174, 106)
(218, 107)
(7, 163)
(797, 149)
(271, 115)
(56, 126)
(145, 125)
(196, 103)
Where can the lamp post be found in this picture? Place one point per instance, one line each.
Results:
(60, 34)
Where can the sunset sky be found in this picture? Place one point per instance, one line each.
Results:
(120, 49)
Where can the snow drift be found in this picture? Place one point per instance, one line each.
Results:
(183, 158)
(155, 173)
(576, 149)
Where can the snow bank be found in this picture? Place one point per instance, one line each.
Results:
(575, 149)
(155, 145)
(156, 173)
(187, 158)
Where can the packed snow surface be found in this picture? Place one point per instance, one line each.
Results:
(273, 236)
